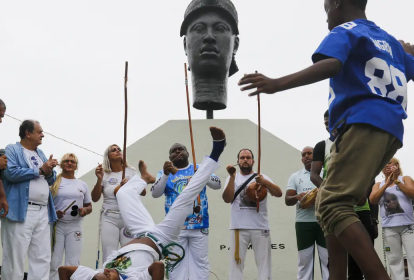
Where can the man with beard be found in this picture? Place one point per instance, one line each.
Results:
(246, 224)
(308, 231)
(367, 212)
(194, 236)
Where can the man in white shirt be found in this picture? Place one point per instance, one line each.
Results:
(308, 231)
(26, 229)
(247, 225)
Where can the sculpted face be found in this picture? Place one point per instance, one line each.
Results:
(210, 44)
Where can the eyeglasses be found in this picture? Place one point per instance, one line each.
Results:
(116, 150)
(75, 211)
(69, 160)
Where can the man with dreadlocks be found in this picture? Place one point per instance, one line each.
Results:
(139, 259)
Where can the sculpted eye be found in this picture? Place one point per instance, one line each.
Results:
(221, 27)
(198, 27)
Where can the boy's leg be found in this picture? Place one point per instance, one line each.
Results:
(322, 251)
(169, 229)
(337, 260)
(358, 156)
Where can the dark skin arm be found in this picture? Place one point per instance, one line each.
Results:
(316, 169)
(319, 71)
(65, 272)
(291, 197)
(156, 270)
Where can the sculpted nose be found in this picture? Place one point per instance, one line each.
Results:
(209, 39)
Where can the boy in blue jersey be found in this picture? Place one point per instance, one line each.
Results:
(194, 236)
(368, 71)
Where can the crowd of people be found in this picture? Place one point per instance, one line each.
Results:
(368, 71)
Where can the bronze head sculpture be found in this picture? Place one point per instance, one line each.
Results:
(210, 28)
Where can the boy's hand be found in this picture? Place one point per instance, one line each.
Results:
(407, 47)
(261, 83)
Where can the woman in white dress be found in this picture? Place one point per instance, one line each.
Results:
(394, 196)
(109, 176)
(72, 202)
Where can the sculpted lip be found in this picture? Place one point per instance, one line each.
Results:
(209, 50)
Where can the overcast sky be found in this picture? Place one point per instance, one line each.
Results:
(62, 63)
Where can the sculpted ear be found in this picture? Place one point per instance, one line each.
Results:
(185, 45)
(236, 45)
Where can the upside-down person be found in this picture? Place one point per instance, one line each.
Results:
(139, 259)
(368, 71)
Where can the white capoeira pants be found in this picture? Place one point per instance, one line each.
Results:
(139, 221)
(395, 239)
(195, 265)
(113, 232)
(69, 240)
(261, 245)
(31, 238)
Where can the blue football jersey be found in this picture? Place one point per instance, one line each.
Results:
(175, 185)
(372, 86)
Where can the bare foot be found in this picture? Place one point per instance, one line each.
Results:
(144, 173)
(217, 133)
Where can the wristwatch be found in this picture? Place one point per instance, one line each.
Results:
(41, 171)
(375, 221)
(397, 182)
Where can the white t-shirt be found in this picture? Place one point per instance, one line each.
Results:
(300, 182)
(244, 213)
(38, 187)
(70, 190)
(110, 182)
(131, 262)
(396, 208)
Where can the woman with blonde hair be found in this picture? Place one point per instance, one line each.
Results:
(109, 177)
(72, 202)
(394, 196)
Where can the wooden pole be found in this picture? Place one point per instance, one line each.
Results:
(125, 119)
(189, 119)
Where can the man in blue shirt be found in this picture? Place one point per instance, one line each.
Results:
(26, 230)
(194, 236)
(368, 71)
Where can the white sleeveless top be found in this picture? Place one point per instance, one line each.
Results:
(395, 207)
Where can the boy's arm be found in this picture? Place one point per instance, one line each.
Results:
(408, 48)
(321, 70)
